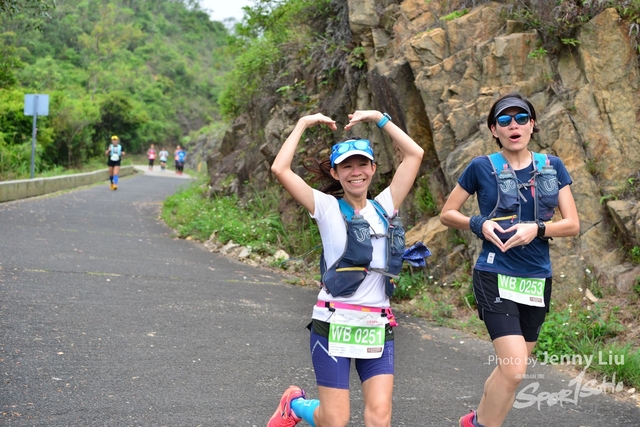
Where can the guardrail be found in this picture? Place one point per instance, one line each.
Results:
(23, 188)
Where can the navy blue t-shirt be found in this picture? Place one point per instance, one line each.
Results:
(531, 260)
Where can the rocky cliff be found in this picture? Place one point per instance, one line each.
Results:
(438, 78)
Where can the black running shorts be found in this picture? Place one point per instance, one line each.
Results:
(504, 317)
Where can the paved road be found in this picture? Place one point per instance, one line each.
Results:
(107, 320)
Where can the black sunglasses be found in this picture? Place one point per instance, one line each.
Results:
(504, 120)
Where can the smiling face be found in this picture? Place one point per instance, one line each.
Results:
(355, 173)
(513, 137)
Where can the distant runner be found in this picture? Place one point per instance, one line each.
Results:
(115, 154)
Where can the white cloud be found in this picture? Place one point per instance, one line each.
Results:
(219, 10)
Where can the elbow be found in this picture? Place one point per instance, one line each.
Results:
(279, 171)
(575, 230)
(444, 220)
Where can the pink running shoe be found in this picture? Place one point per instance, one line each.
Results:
(284, 415)
(467, 420)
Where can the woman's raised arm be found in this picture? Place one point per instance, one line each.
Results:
(281, 167)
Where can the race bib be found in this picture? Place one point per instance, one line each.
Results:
(152, 156)
(523, 290)
(356, 334)
(114, 157)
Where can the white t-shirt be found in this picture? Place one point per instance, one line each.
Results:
(333, 233)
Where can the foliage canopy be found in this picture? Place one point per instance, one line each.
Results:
(150, 72)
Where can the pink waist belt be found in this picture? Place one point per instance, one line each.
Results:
(385, 312)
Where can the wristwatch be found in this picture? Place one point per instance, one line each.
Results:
(542, 228)
(383, 121)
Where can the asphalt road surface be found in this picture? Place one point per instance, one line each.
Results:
(107, 320)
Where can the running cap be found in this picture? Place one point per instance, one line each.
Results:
(352, 147)
(510, 102)
(115, 138)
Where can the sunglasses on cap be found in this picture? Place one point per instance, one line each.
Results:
(504, 120)
(341, 148)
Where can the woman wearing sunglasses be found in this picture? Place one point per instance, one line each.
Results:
(347, 173)
(517, 192)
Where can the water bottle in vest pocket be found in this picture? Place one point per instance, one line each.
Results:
(547, 191)
(508, 202)
(344, 278)
(396, 247)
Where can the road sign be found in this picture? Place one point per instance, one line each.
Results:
(36, 104)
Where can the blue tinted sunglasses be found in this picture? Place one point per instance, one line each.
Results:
(354, 145)
(504, 120)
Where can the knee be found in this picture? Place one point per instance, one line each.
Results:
(377, 415)
(512, 374)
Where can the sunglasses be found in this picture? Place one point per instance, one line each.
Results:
(343, 147)
(358, 144)
(504, 120)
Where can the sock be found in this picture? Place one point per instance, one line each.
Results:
(304, 409)
(115, 179)
(475, 420)
(111, 178)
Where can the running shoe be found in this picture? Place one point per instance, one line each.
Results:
(467, 420)
(111, 186)
(284, 415)
(115, 187)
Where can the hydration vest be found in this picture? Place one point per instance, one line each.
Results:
(544, 183)
(344, 277)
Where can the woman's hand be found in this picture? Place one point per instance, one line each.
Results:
(524, 234)
(318, 119)
(363, 116)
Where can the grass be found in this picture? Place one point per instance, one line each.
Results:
(255, 223)
(90, 166)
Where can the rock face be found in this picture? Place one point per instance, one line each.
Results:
(438, 78)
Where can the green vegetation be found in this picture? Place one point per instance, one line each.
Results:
(149, 72)
(455, 15)
(279, 42)
(424, 200)
(254, 222)
(558, 22)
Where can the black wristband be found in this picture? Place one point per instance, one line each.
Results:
(475, 223)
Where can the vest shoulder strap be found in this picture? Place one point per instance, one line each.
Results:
(347, 210)
(498, 161)
(540, 160)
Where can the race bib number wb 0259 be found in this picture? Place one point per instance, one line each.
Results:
(523, 290)
(356, 334)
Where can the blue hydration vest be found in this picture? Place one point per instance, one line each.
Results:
(344, 277)
(545, 191)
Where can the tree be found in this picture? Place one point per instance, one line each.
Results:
(72, 120)
(35, 7)
(9, 61)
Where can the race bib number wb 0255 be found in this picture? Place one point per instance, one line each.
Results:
(523, 290)
(356, 334)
